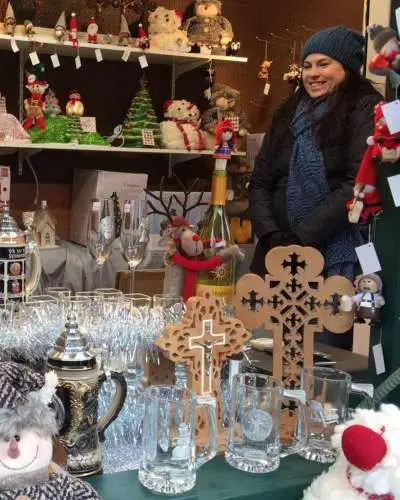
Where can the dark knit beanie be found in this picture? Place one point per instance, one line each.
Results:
(340, 43)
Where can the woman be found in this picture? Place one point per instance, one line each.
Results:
(305, 170)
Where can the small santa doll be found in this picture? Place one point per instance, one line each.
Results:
(74, 105)
(27, 428)
(73, 30)
(143, 40)
(381, 146)
(387, 59)
(92, 30)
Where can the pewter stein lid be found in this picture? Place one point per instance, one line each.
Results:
(71, 350)
(8, 227)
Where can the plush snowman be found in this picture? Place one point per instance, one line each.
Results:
(27, 426)
(368, 462)
(179, 129)
(165, 32)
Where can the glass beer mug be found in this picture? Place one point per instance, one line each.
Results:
(255, 421)
(170, 459)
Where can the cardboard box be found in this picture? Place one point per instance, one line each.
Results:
(90, 184)
(5, 183)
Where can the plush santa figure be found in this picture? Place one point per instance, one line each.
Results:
(367, 199)
(27, 426)
(368, 462)
(73, 30)
(92, 30)
(387, 59)
(34, 105)
(143, 41)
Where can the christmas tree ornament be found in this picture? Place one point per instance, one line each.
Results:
(208, 29)
(92, 30)
(124, 33)
(165, 31)
(9, 20)
(265, 66)
(387, 60)
(60, 28)
(51, 104)
(366, 466)
(179, 129)
(367, 199)
(73, 30)
(34, 105)
(28, 425)
(11, 130)
(368, 300)
(225, 140)
(29, 28)
(141, 121)
(294, 74)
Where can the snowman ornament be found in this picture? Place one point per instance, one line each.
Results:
(27, 426)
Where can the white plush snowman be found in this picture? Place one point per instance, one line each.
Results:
(180, 128)
(27, 425)
(368, 463)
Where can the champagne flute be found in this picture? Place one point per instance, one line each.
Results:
(134, 235)
(101, 232)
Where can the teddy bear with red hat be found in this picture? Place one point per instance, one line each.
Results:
(382, 146)
(34, 105)
(165, 31)
(368, 462)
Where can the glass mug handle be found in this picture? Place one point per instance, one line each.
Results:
(208, 452)
(366, 392)
(301, 432)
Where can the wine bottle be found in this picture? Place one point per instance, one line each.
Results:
(216, 234)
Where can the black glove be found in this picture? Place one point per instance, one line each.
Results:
(280, 239)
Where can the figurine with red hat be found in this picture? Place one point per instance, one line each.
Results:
(387, 60)
(367, 199)
(225, 140)
(92, 30)
(35, 103)
(73, 30)
(142, 41)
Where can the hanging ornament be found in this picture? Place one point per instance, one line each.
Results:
(264, 70)
(293, 74)
(141, 7)
(99, 5)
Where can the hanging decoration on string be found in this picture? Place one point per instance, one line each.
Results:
(209, 76)
(99, 5)
(264, 70)
(140, 7)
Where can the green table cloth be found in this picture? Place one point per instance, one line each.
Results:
(218, 481)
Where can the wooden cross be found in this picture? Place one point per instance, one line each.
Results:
(203, 340)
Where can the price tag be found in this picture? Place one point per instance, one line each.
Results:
(55, 61)
(78, 62)
(391, 112)
(377, 351)
(368, 258)
(394, 185)
(267, 88)
(234, 369)
(397, 11)
(99, 55)
(207, 93)
(127, 208)
(34, 58)
(96, 206)
(14, 46)
(143, 62)
(126, 54)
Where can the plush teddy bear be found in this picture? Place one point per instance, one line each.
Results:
(165, 32)
(179, 129)
(367, 466)
(27, 425)
(224, 106)
(208, 30)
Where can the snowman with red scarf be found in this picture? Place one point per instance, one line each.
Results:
(368, 463)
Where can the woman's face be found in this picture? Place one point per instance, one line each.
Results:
(322, 75)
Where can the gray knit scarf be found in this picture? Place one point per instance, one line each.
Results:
(308, 187)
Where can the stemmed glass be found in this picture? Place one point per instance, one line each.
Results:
(134, 235)
(101, 231)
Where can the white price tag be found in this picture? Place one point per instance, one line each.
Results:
(78, 62)
(295, 394)
(377, 351)
(127, 208)
(234, 369)
(368, 259)
(143, 62)
(55, 61)
(99, 55)
(220, 164)
(391, 112)
(126, 54)
(34, 58)
(397, 11)
(14, 46)
(267, 88)
(96, 206)
(394, 185)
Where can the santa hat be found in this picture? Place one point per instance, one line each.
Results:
(92, 22)
(74, 94)
(167, 105)
(24, 399)
(73, 25)
(124, 28)
(179, 14)
(380, 35)
(142, 33)
(61, 22)
(9, 12)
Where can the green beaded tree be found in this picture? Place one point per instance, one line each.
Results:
(74, 130)
(141, 116)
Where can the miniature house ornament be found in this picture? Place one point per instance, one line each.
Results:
(45, 227)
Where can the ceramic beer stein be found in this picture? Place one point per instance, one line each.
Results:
(80, 380)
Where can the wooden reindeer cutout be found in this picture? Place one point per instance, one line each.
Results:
(294, 302)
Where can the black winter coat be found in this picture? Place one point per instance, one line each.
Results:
(268, 186)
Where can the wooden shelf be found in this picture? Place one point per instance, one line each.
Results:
(34, 148)
(45, 43)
